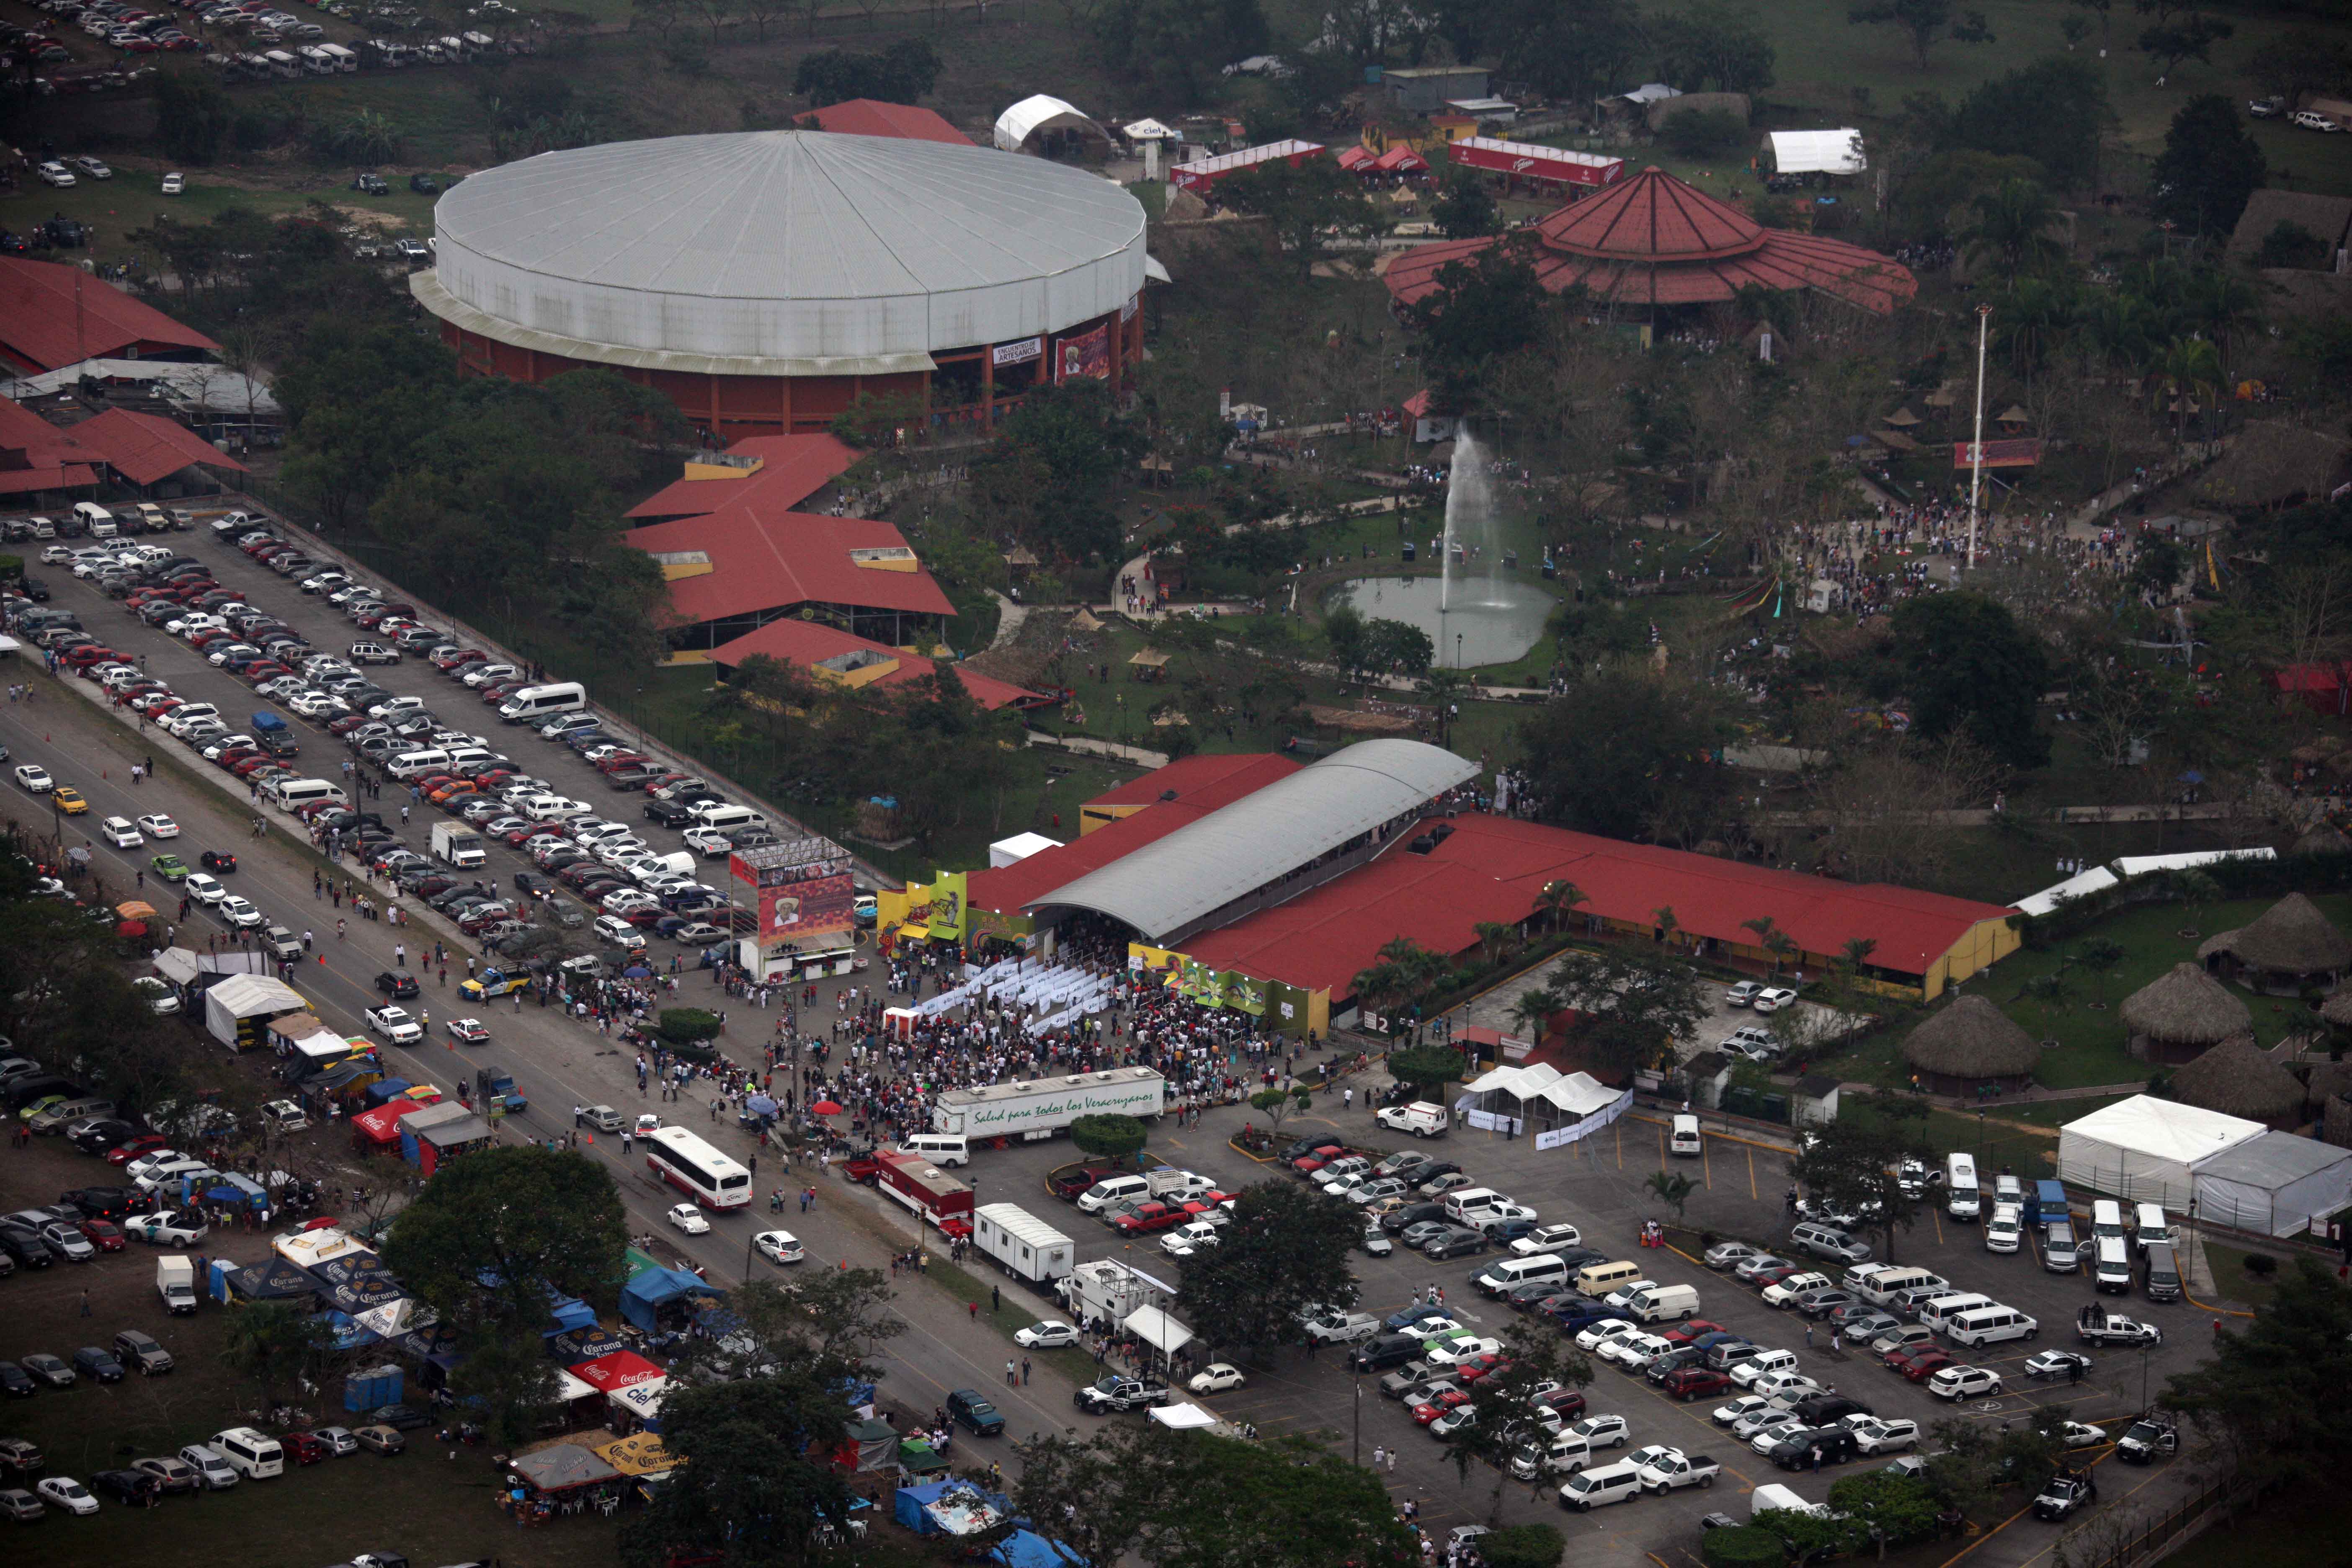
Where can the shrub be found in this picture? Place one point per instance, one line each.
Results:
(1743, 1546)
(1523, 1546)
(2261, 1265)
(1703, 133)
(686, 1026)
(1114, 1138)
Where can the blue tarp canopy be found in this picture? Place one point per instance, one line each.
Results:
(909, 1509)
(383, 1091)
(654, 1288)
(349, 1335)
(1024, 1549)
(571, 1312)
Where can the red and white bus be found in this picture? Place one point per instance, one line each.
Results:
(696, 1168)
(933, 1195)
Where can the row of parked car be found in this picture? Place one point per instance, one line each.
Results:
(234, 1455)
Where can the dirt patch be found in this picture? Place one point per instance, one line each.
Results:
(364, 217)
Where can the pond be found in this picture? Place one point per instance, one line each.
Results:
(1507, 619)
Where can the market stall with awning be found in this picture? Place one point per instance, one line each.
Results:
(1158, 1329)
(1183, 1417)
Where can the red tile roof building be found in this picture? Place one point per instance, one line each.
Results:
(773, 472)
(1654, 241)
(52, 315)
(37, 458)
(832, 654)
(146, 448)
(736, 571)
(872, 117)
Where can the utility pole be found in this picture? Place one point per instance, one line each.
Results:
(1976, 447)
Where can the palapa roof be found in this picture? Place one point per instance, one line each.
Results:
(2337, 1008)
(1972, 1038)
(1901, 419)
(2292, 937)
(2187, 1006)
(2272, 461)
(2237, 1079)
(2326, 838)
(1654, 239)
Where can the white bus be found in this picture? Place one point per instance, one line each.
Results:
(696, 1168)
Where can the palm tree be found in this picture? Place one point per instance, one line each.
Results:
(2221, 302)
(2189, 365)
(2012, 225)
(2037, 315)
(372, 137)
(2098, 958)
(1771, 939)
(1556, 900)
(1667, 923)
(1531, 1012)
(1495, 938)
(1674, 1189)
(1854, 958)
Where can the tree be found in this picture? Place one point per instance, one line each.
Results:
(2191, 37)
(1509, 1418)
(1674, 1189)
(1426, 1070)
(1285, 1252)
(1897, 1510)
(1626, 755)
(507, 1377)
(1556, 901)
(1969, 666)
(2267, 1395)
(903, 73)
(2050, 112)
(1343, 632)
(500, 1232)
(1853, 1163)
(751, 1449)
(2012, 225)
(194, 118)
(2098, 958)
(1631, 1004)
(1567, 52)
(2305, 61)
(1465, 208)
(1713, 48)
(1480, 310)
(1278, 1103)
(269, 1341)
(1114, 1138)
(1495, 938)
(1705, 133)
(1179, 49)
(2210, 166)
(1397, 647)
(1523, 1546)
(1925, 21)
(1307, 206)
(687, 1026)
(1052, 472)
(1771, 939)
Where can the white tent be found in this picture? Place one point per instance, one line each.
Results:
(2141, 865)
(1019, 847)
(2275, 1184)
(242, 999)
(1818, 151)
(1157, 1328)
(1031, 115)
(2145, 1150)
(2081, 885)
(1183, 1417)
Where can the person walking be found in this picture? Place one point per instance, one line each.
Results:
(400, 954)
(1009, 1380)
(1025, 1372)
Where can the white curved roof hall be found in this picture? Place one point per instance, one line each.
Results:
(1163, 887)
(779, 252)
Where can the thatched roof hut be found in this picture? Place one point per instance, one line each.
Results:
(2274, 463)
(2337, 1009)
(2182, 1014)
(2286, 947)
(2237, 1079)
(2326, 838)
(1969, 1044)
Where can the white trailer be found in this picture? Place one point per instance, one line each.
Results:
(1111, 1290)
(1046, 1107)
(1023, 1245)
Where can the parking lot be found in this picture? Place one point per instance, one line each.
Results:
(1598, 1185)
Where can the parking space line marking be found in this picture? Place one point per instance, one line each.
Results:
(1752, 1192)
(1706, 1165)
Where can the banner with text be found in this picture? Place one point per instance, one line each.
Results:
(801, 891)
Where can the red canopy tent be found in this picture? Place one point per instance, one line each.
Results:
(1401, 160)
(381, 1125)
(612, 1373)
(1529, 161)
(1354, 158)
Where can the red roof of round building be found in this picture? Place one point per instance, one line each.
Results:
(1656, 240)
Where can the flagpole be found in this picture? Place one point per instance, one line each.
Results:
(1976, 447)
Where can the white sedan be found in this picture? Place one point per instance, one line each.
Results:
(36, 779)
(688, 1217)
(779, 1246)
(64, 1491)
(1045, 1336)
(1219, 1376)
(394, 1025)
(158, 827)
(118, 831)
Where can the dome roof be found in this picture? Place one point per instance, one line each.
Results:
(1656, 240)
(779, 252)
(1652, 217)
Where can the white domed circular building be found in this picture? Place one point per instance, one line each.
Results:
(765, 279)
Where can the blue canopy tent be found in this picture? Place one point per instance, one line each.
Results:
(949, 1508)
(570, 1312)
(348, 1335)
(653, 1288)
(1025, 1548)
(383, 1091)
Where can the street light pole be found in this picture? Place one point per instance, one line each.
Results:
(1976, 450)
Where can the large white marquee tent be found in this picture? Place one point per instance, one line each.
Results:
(2223, 1168)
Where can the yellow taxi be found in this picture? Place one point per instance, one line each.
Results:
(69, 800)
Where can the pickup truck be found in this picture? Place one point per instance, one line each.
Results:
(1668, 1471)
(2094, 1325)
(1341, 1328)
(1113, 1394)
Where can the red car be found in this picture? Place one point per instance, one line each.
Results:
(1307, 1165)
(1691, 1331)
(1443, 1398)
(1925, 1364)
(103, 1233)
(303, 1449)
(124, 1153)
(458, 660)
(1771, 1277)
(1149, 1217)
(1480, 1366)
(1689, 1382)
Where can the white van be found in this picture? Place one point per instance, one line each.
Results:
(1684, 1138)
(1113, 1190)
(2008, 1189)
(411, 764)
(2005, 1229)
(2152, 1228)
(286, 67)
(2107, 1219)
(344, 60)
(293, 794)
(1884, 1283)
(1598, 1280)
(722, 817)
(939, 1148)
(2111, 1270)
(541, 701)
(254, 1455)
(1665, 1303)
(1512, 1272)
(1589, 1489)
(96, 518)
(1938, 1313)
(1991, 1325)
(1961, 1199)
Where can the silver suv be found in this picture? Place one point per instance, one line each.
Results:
(213, 1472)
(1827, 1241)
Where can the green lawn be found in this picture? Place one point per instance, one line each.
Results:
(2029, 1154)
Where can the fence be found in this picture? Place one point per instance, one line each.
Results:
(2103, 1544)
